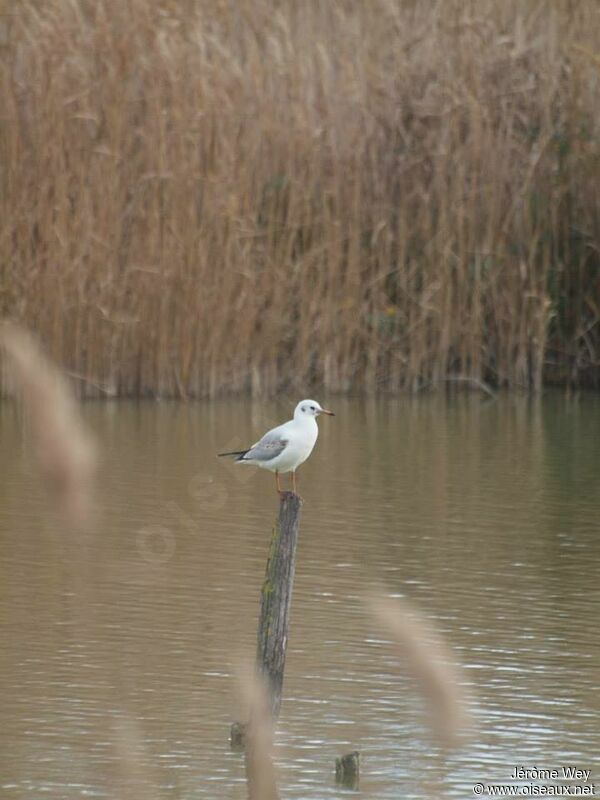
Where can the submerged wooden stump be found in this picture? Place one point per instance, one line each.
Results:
(276, 598)
(237, 737)
(347, 770)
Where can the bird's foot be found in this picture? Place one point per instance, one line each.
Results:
(283, 492)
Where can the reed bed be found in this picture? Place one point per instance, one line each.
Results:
(202, 197)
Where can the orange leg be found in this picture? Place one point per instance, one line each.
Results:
(279, 490)
(294, 482)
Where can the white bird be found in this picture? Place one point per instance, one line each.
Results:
(285, 447)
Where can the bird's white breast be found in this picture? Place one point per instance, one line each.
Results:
(301, 436)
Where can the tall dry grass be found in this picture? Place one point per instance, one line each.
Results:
(258, 757)
(65, 451)
(210, 196)
(425, 656)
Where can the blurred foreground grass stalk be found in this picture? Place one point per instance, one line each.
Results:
(200, 197)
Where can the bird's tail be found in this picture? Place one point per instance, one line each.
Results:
(239, 453)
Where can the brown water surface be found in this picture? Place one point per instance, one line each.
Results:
(485, 514)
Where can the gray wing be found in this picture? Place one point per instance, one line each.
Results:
(270, 446)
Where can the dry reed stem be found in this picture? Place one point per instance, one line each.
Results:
(260, 772)
(135, 778)
(429, 662)
(63, 448)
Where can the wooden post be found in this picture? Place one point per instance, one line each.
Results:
(276, 598)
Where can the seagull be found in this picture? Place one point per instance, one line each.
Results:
(285, 447)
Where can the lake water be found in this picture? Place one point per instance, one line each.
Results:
(485, 514)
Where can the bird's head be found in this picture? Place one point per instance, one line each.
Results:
(310, 408)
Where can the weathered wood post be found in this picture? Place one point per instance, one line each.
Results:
(275, 604)
(276, 598)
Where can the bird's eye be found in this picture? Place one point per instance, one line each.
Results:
(312, 408)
